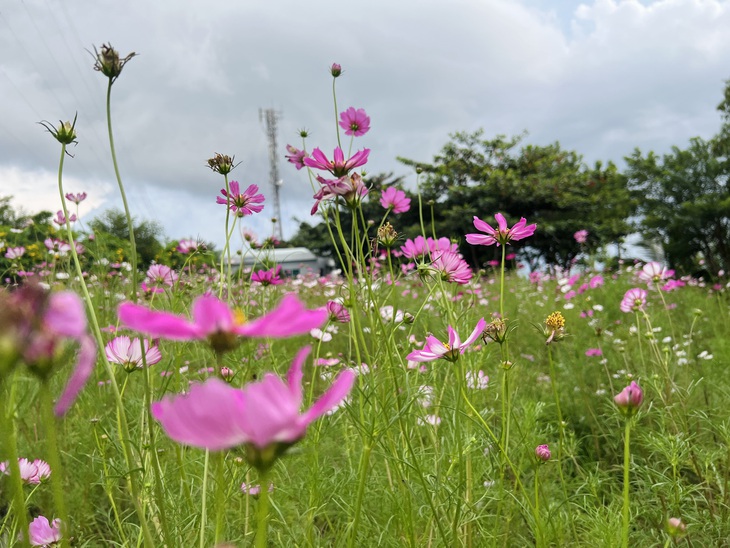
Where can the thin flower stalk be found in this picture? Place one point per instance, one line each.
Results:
(8, 440)
(122, 423)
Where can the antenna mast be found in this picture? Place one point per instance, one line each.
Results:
(270, 116)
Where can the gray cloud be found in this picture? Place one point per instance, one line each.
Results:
(602, 78)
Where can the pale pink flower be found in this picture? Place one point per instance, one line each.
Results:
(57, 246)
(477, 380)
(502, 234)
(44, 534)
(215, 416)
(296, 156)
(160, 274)
(634, 300)
(268, 277)
(395, 199)
(581, 236)
(14, 252)
(243, 203)
(76, 198)
(351, 188)
(591, 352)
(434, 349)
(255, 490)
(355, 122)
(186, 246)
(338, 167)
(128, 352)
(655, 272)
(31, 472)
(215, 322)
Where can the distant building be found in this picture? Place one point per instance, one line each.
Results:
(293, 261)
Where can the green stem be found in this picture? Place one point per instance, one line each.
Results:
(7, 429)
(364, 465)
(263, 511)
(334, 99)
(220, 497)
(227, 248)
(204, 497)
(54, 460)
(538, 523)
(132, 241)
(124, 435)
(627, 461)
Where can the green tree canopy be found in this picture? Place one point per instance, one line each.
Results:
(545, 184)
(112, 233)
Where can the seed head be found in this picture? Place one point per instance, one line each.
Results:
(109, 63)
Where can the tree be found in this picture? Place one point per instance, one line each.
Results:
(112, 234)
(547, 185)
(686, 200)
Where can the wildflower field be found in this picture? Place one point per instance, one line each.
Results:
(405, 400)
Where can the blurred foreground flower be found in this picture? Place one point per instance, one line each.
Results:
(34, 325)
(44, 534)
(264, 416)
(215, 322)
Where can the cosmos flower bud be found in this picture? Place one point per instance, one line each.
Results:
(335, 70)
(109, 63)
(676, 527)
(222, 163)
(65, 133)
(629, 399)
(542, 453)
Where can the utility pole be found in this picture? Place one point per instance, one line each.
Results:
(270, 116)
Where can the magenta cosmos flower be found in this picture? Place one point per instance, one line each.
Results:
(634, 300)
(502, 234)
(452, 267)
(215, 416)
(242, 203)
(581, 236)
(434, 349)
(351, 188)
(215, 322)
(296, 156)
(45, 534)
(542, 453)
(160, 274)
(60, 219)
(337, 311)
(355, 122)
(15, 252)
(395, 199)
(337, 167)
(128, 353)
(268, 277)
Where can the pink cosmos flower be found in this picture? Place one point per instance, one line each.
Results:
(128, 353)
(502, 235)
(355, 122)
(37, 323)
(31, 472)
(60, 219)
(395, 199)
(671, 285)
(215, 416)
(242, 203)
(44, 534)
(452, 267)
(76, 198)
(15, 252)
(160, 274)
(591, 352)
(186, 246)
(351, 188)
(338, 312)
(56, 246)
(655, 272)
(268, 277)
(337, 167)
(634, 300)
(215, 322)
(255, 489)
(629, 399)
(581, 236)
(434, 349)
(296, 156)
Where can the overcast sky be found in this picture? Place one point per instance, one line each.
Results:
(600, 76)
